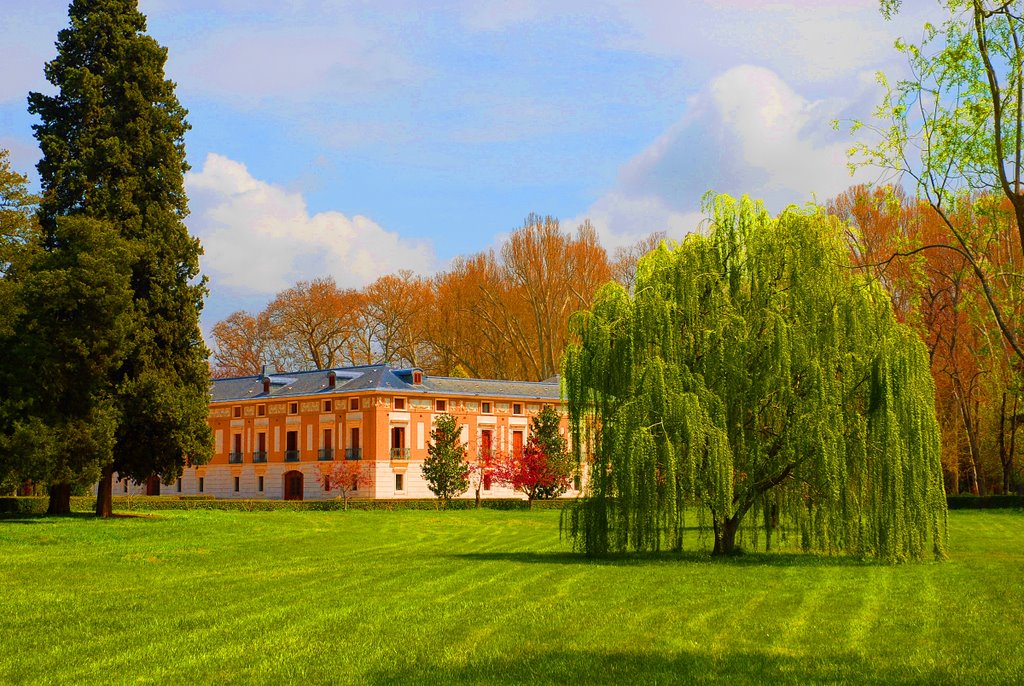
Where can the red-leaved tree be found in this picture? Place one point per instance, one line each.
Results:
(346, 477)
(543, 468)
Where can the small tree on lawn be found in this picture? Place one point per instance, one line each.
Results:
(543, 469)
(445, 469)
(482, 470)
(345, 477)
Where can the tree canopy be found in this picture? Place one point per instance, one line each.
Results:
(112, 139)
(754, 371)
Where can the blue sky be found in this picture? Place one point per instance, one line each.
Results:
(353, 139)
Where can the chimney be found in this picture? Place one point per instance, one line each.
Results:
(331, 379)
(266, 385)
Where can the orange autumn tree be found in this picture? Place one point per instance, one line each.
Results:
(936, 290)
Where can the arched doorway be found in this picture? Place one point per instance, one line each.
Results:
(293, 485)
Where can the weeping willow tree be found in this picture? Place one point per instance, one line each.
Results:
(757, 379)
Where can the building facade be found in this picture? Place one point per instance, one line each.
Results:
(279, 435)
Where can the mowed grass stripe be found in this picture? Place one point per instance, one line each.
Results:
(486, 597)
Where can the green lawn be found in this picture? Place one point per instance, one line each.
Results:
(484, 597)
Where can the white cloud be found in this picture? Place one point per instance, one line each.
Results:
(808, 41)
(260, 238)
(748, 132)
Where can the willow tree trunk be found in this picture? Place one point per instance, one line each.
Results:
(725, 536)
(105, 492)
(60, 499)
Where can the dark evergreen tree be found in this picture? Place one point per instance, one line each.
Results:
(113, 150)
(545, 432)
(445, 469)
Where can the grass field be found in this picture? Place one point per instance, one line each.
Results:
(486, 597)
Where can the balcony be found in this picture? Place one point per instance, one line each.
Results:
(234, 458)
(259, 456)
(325, 454)
(353, 453)
(291, 455)
(399, 453)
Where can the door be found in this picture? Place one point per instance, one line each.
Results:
(517, 443)
(293, 485)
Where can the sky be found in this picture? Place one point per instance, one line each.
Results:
(354, 139)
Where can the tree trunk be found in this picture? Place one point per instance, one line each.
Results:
(60, 499)
(478, 497)
(972, 436)
(105, 492)
(725, 536)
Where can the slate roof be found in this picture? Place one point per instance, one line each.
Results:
(376, 378)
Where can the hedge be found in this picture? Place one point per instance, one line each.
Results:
(984, 502)
(37, 504)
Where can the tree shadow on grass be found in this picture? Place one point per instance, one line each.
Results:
(752, 559)
(23, 518)
(685, 667)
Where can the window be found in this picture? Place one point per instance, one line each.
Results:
(399, 482)
(261, 410)
(576, 482)
(327, 482)
(328, 406)
(517, 408)
(417, 378)
(259, 484)
(201, 484)
(399, 403)
(353, 404)
(179, 484)
(236, 411)
(487, 482)
(291, 446)
(126, 485)
(441, 405)
(293, 408)
(236, 484)
(485, 407)
(355, 483)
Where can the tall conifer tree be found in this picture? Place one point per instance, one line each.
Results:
(113, 150)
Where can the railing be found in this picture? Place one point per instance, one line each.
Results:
(325, 454)
(234, 458)
(399, 453)
(259, 456)
(353, 453)
(291, 455)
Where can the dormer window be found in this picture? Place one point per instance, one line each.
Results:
(417, 378)
(440, 405)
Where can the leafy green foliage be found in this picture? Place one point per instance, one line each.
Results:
(113, 150)
(445, 468)
(754, 371)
